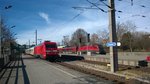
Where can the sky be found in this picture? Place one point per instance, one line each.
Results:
(54, 19)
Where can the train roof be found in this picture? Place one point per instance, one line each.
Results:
(48, 42)
(30, 48)
(45, 42)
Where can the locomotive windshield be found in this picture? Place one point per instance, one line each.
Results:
(51, 46)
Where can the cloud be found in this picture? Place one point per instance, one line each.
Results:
(90, 23)
(44, 16)
(90, 20)
(56, 34)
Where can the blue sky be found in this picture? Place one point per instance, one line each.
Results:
(54, 18)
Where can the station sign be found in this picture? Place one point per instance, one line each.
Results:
(110, 44)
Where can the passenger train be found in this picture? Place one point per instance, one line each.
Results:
(46, 50)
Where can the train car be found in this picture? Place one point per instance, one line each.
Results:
(68, 50)
(92, 48)
(95, 49)
(30, 51)
(47, 50)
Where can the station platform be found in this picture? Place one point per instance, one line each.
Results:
(14, 72)
(30, 70)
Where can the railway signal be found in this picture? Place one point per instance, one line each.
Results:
(88, 36)
(80, 40)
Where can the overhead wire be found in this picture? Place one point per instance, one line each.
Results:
(97, 3)
(109, 6)
(135, 3)
(82, 11)
(84, 8)
(105, 4)
(139, 5)
(96, 6)
(76, 16)
(93, 4)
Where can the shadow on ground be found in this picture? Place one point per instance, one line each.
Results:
(10, 74)
(67, 58)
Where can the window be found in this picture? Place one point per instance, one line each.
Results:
(51, 46)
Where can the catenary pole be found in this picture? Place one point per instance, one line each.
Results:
(113, 37)
(29, 43)
(35, 37)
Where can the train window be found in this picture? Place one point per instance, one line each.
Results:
(51, 46)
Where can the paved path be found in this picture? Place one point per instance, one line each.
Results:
(30, 70)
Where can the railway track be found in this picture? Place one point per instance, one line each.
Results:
(121, 67)
(101, 70)
(129, 71)
(106, 76)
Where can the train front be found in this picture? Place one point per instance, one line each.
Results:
(51, 51)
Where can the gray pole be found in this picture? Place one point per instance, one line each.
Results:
(113, 37)
(29, 43)
(35, 37)
(88, 41)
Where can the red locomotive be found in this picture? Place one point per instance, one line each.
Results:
(46, 50)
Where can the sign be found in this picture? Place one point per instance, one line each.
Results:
(118, 44)
(110, 44)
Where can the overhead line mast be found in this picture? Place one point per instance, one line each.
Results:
(112, 29)
(113, 37)
(35, 37)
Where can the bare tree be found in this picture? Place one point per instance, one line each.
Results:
(66, 40)
(131, 28)
(7, 38)
(120, 30)
(79, 37)
(103, 36)
(125, 31)
(142, 41)
(94, 39)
